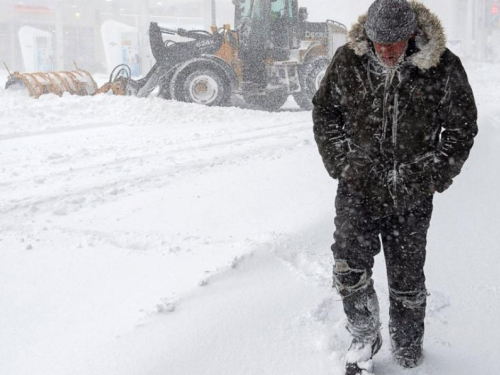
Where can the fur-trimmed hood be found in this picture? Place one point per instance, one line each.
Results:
(430, 38)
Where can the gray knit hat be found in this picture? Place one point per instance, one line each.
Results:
(390, 21)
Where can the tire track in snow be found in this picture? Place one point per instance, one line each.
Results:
(300, 127)
(58, 130)
(155, 178)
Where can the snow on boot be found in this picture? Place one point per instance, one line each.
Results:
(407, 361)
(406, 326)
(408, 357)
(360, 354)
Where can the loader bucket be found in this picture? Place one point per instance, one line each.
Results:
(37, 84)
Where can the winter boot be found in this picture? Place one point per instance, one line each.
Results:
(360, 354)
(407, 351)
(406, 327)
(408, 357)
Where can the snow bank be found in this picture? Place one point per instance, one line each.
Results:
(154, 237)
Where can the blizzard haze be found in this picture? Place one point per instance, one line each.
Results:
(41, 35)
(143, 236)
(140, 236)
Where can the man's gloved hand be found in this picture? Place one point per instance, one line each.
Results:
(411, 182)
(420, 173)
(355, 172)
(440, 175)
(352, 178)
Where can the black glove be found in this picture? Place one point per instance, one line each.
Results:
(412, 182)
(355, 171)
(423, 172)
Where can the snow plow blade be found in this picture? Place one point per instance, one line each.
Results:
(78, 82)
(37, 84)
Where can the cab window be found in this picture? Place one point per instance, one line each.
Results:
(278, 9)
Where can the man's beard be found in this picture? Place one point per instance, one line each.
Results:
(391, 64)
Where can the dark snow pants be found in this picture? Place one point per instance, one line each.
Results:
(358, 238)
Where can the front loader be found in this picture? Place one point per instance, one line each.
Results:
(272, 53)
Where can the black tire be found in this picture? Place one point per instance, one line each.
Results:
(310, 75)
(202, 86)
(270, 102)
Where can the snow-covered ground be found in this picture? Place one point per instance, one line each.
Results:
(142, 236)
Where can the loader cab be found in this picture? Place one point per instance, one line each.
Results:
(284, 25)
(271, 25)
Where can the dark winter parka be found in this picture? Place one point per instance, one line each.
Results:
(395, 136)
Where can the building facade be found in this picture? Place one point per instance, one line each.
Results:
(53, 34)
(57, 33)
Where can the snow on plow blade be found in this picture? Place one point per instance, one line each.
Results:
(75, 82)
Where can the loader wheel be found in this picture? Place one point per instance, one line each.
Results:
(270, 102)
(203, 86)
(310, 75)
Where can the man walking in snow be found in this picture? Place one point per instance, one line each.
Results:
(394, 120)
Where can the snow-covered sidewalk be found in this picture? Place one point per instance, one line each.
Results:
(139, 236)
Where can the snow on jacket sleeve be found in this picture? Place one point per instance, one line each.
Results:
(459, 127)
(329, 120)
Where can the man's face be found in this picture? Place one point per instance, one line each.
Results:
(391, 53)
